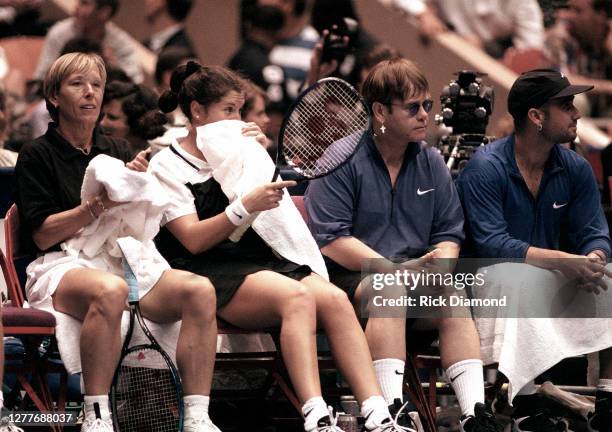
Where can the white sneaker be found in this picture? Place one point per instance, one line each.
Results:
(392, 424)
(8, 426)
(97, 425)
(203, 424)
(327, 424)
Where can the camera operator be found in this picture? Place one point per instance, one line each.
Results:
(345, 43)
(527, 197)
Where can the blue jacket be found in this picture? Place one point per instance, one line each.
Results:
(503, 219)
(357, 200)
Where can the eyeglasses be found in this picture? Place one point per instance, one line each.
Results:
(413, 108)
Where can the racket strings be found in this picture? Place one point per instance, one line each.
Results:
(324, 129)
(146, 398)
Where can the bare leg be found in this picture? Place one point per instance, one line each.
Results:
(183, 295)
(386, 337)
(268, 299)
(98, 299)
(347, 341)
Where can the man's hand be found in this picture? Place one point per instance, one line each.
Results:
(587, 271)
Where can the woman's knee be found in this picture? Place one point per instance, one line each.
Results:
(299, 301)
(334, 301)
(111, 296)
(198, 294)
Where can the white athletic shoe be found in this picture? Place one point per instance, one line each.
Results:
(203, 424)
(328, 423)
(8, 426)
(97, 425)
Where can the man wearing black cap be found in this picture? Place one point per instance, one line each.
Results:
(527, 197)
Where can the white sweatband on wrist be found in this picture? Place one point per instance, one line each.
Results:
(236, 213)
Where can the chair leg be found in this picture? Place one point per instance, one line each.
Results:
(417, 395)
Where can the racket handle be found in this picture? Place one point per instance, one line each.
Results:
(130, 278)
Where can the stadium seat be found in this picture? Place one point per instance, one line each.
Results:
(29, 325)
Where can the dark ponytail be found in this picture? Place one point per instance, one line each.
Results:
(203, 84)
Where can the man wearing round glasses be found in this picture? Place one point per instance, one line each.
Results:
(393, 206)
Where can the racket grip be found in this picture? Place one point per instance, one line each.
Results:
(239, 232)
(132, 283)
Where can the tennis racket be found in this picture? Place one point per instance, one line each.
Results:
(146, 394)
(319, 133)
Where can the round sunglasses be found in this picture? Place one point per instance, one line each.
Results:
(413, 108)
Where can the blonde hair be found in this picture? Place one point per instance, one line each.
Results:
(65, 66)
(394, 79)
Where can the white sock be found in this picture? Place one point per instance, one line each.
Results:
(375, 410)
(528, 389)
(314, 410)
(390, 375)
(102, 401)
(196, 406)
(467, 381)
(605, 384)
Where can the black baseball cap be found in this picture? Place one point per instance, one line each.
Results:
(536, 87)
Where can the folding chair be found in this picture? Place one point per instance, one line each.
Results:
(28, 324)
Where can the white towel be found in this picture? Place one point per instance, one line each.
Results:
(240, 164)
(526, 347)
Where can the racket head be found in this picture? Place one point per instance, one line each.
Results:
(323, 128)
(146, 393)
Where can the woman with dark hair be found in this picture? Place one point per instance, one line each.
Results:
(130, 112)
(50, 174)
(256, 287)
(254, 110)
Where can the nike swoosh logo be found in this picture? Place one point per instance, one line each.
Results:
(307, 413)
(236, 214)
(456, 376)
(420, 192)
(558, 206)
(399, 373)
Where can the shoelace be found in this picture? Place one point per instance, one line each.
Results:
(333, 421)
(7, 426)
(395, 426)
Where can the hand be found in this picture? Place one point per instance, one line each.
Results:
(586, 271)
(106, 201)
(141, 162)
(265, 197)
(430, 25)
(422, 263)
(318, 69)
(252, 130)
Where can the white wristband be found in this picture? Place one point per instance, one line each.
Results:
(236, 213)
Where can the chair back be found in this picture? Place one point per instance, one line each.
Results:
(7, 184)
(14, 258)
(298, 200)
